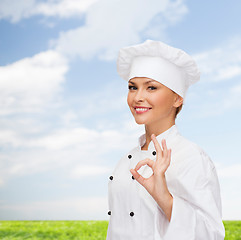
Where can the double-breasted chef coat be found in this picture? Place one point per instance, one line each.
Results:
(191, 179)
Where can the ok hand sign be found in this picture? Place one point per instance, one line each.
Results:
(156, 183)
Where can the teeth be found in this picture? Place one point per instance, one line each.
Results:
(141, 109)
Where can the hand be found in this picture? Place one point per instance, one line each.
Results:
(156, 183)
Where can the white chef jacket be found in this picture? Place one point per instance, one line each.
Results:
(191, 179)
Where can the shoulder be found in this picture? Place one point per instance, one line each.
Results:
(128, 156)
(191, 154)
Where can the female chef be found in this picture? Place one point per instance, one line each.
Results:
(166, 188)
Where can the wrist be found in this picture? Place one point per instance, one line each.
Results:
(164, 199)
(165, 203)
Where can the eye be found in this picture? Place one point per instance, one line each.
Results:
(152, 87)
(130, 87)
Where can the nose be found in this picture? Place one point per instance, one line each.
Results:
(139, 96)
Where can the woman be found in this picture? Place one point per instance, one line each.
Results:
(166, 187)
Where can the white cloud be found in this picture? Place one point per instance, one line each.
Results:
(111, 24)
(1, 182)
(66, 138)
(108, 100)
(221, 63)
(230, 178)
(31, 146)
(233, 171)
(68, 117)
(84, 139)
(236, 89)
(63, 8)
(229, 72)
(219, 88)
(79, 152)
(212, 103)
(88, 170)
(8, 137)
(232, 98)
(79, 208)
(20, 9)
(175, 11)
(17, 10)
(231, 206)
(28, 84)
(223, 101)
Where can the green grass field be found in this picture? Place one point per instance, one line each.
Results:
(82, 230)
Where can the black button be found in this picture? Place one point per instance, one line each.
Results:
(129, 156)
(131, 214)
(133, 178)
(154, 153)
(111, 178)
(109, 213)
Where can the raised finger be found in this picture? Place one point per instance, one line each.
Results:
(169, 153)
(164, 146)
(156, 144)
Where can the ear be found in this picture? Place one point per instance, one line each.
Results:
(178, 101)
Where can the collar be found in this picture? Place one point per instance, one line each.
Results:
(168, 134)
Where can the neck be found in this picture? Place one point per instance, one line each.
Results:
(156, 129)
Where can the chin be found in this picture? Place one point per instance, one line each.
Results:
(140, 122)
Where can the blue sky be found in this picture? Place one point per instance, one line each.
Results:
(64, 121)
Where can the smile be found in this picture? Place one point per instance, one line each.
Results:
(141, 109)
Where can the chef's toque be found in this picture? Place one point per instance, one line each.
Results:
(170, 66)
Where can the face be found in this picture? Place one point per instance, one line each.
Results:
(151, 102)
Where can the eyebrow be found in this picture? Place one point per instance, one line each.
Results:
(144, 82)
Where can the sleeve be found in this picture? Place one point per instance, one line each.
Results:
(196, 210)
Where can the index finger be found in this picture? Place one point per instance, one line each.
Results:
(156, 143)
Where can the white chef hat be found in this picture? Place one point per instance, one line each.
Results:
(156, 60)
